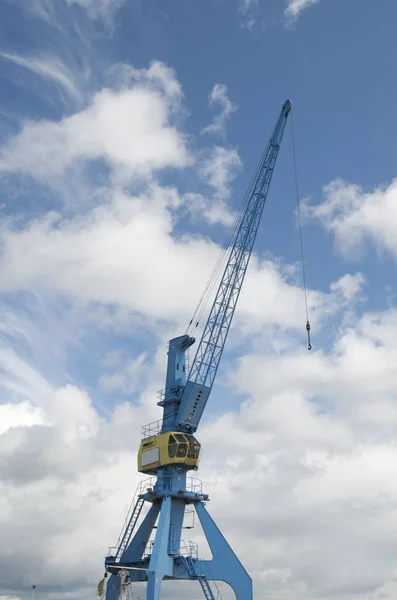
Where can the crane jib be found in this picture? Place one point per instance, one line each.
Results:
(209, 351)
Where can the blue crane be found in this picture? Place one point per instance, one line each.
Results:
(169, 448)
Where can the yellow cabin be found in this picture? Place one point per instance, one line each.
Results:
(172, 448)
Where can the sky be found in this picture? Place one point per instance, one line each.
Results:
(129, 132)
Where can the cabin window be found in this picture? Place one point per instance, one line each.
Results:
(194, 451)
(181, 451)
(171, 447)
(172, 450)
(180, 438)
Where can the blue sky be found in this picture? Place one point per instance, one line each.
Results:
(129, 131)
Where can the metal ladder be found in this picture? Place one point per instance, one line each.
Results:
(203, 581)
(125, 539)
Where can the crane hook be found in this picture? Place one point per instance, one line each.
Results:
(309, 346)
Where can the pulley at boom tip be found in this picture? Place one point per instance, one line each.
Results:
(287, 106)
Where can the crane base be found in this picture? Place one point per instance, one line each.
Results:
(166, 560)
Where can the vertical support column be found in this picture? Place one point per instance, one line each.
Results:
(161, 563)
(177, 514)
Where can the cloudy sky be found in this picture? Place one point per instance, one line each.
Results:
(129, 131)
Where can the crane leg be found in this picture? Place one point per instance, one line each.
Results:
(136, 547)
(161, 563)
(113, 588)
(224, 566)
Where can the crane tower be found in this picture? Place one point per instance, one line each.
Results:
(169, 448)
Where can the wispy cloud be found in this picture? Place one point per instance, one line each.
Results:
(250, 9)
(50, 68)
(219, 98)
(95, 9)
(245, 5)
(99, 9)
(296, 7)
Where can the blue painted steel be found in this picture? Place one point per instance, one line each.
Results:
(212, 343)
(224, 566)
(166, 559)
(161, 562)
(183, 404)
(175, 379)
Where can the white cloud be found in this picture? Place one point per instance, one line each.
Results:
(128, 129)
(19, 415)
(351, 380)
(349, 285)
(219, 97)
(62, 469)
(130, 379)
(323, 471)
(104, 258)
(282, 305)
(212, 209)
(354, 216)
(296, 7)
(219, 169)
(157, 76)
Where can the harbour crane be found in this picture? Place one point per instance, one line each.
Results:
(169, 447)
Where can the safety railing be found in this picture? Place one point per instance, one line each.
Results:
(161, 394)
(193, 484)
(146, 485)
(112, 551)
(185, 549)
(188, 549)
(151, 429)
